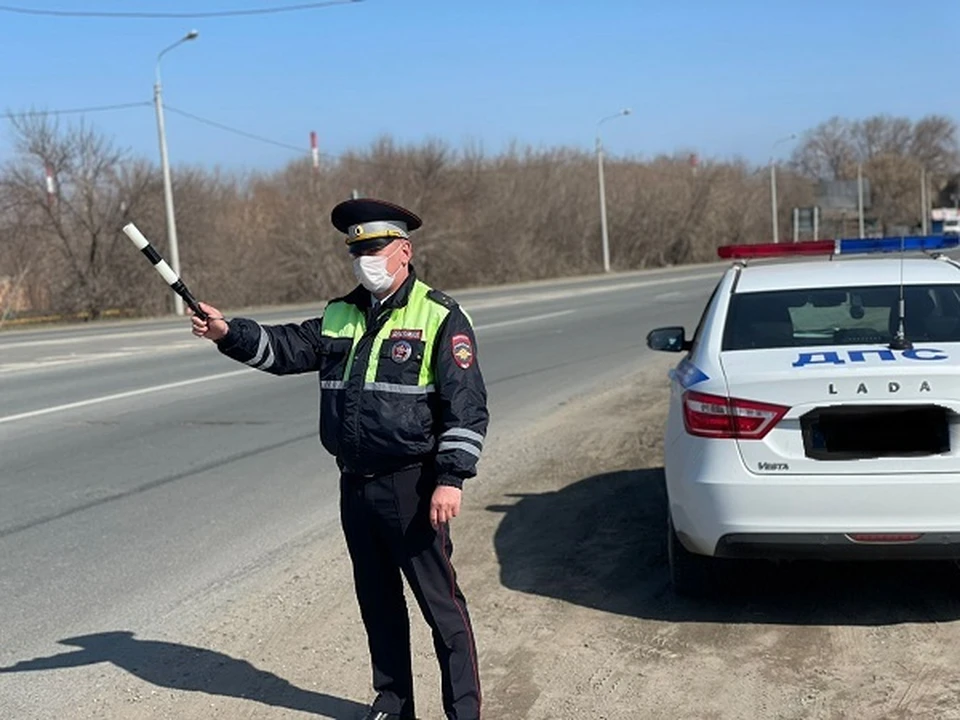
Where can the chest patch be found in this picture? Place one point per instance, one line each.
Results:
(401, 351)
(406, 334)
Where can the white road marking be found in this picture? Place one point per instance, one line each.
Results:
(517, 321)
(119, 396)
(665, 296)
(583, 292)
(79, 358)
(60, 360)
(73, 339)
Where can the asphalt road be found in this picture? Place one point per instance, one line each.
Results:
(139, 468)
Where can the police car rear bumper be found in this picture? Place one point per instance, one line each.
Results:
(838, 546)
(719, 508)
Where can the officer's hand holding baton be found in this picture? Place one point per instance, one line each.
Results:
(208, 322)
(213, 327)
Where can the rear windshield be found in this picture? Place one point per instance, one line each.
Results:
(841, 316)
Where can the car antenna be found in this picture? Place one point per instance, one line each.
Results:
(899, 340)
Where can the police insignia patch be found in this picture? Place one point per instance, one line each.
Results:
(462, 350)
(401, 351)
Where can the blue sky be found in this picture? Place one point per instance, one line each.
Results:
(721, 77)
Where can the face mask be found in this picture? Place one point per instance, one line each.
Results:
(371, 272)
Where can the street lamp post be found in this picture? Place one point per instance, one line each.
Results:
(924, 201)
(165, 165)
(603, 194)
(773, 187)
(860, 224)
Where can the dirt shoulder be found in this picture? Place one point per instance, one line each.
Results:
(561, 556)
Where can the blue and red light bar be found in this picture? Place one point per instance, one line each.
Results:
(840, 246)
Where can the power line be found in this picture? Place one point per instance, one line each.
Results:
(75, 111)
(154, 15)
(350, 157)
(345, 157)
(235, 131)
(177, 111)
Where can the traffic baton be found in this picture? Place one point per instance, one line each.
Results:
(166, 272)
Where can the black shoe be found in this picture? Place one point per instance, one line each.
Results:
(380, 715)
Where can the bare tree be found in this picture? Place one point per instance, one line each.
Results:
(934, 145)
(18, 253)
(97, 188)
(827, 152)
(892, 152)
(262, 238)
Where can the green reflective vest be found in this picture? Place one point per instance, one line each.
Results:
(377, 398)
(407, 337)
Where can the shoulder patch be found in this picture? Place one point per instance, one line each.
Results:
(442, 298)
(462, 350)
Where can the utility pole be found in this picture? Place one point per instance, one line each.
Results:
(773, 201)
(923, 200)
(773, 188)
(860, 196)
(603, 209)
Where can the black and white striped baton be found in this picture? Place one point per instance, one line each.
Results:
(166, 272)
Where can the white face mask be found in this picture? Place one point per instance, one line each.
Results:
(371, 272)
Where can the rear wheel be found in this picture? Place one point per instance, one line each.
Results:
(692, 575)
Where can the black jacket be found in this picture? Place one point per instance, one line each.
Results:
(370, 432)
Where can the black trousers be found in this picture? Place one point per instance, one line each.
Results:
(386, 523)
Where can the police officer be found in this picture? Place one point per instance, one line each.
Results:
(403, 409)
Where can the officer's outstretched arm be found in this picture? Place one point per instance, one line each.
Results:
(276, 349)
(463, 400)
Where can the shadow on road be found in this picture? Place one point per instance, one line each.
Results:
(183, 667)
(600, 543)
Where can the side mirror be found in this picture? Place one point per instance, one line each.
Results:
(668, 339)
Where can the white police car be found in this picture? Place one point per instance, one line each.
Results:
(817, 410)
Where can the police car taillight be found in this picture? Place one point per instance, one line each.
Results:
(716, 416)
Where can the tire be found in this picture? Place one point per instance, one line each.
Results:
(691, 575)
